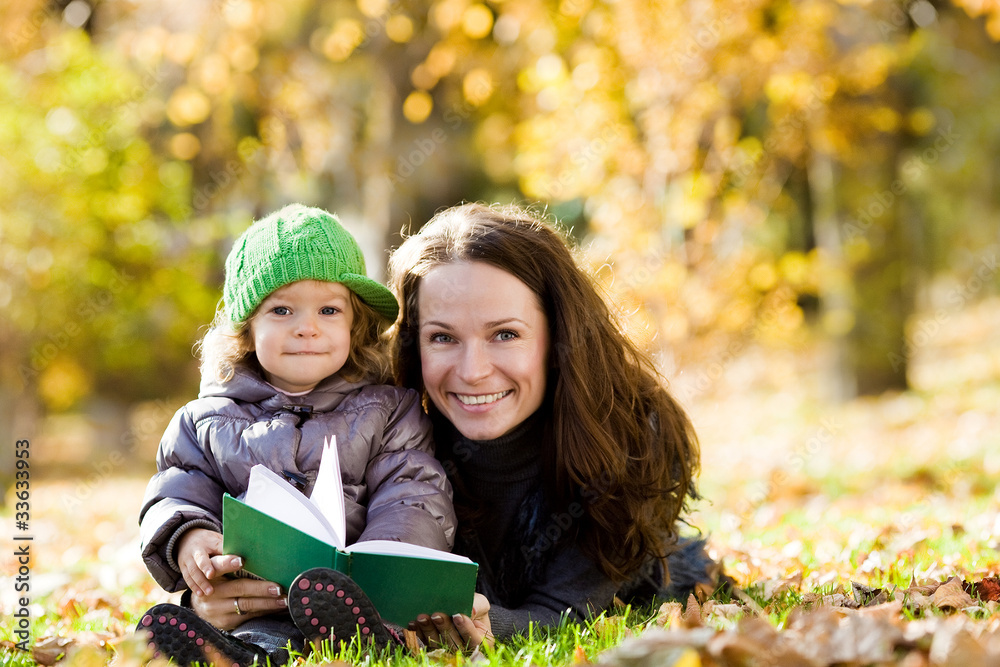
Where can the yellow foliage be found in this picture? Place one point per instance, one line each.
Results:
(763, 277)
(181, 47)
(418, 106)
(446, 14)
(441, 59)
(213, 73)
(477, 86)
(885, 119)
(399, 28)
(477, 21)
(921, 121)
(373, 8)
(422, 78)
(184, 146)
(837, 322)
(188, 106)
(63, 383)
(346, 36)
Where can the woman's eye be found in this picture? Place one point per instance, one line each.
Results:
(506, 335)
(329, 310)
(440, 338)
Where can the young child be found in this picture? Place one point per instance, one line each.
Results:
(295, 355)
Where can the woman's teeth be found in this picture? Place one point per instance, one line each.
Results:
(485, 398)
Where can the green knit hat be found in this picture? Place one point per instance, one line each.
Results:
(297, 243)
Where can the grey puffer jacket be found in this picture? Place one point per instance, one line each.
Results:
(394, 488)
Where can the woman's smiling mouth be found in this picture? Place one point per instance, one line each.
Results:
(468, 399)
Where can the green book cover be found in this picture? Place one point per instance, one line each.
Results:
(402, 580)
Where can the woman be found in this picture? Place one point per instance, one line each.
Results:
(570, 461)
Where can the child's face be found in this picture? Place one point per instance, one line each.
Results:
(302, 333)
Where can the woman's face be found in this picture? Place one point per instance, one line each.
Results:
(484, 347)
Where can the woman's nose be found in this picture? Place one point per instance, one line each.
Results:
(474, 365)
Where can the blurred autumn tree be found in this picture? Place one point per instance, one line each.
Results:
(750, 166)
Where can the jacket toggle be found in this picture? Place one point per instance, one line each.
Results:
(302, 412)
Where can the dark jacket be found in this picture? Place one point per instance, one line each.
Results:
(394, 488)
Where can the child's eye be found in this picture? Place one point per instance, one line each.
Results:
(329, 310)
(506, 335)
(281, 310)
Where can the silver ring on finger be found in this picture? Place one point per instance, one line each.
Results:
(236, 601)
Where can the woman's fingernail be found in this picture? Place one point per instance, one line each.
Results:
(282, 602)
(237, 561)
(456, 619)
(274, 590)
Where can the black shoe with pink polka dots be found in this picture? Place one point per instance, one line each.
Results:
(180, 635)
(328, 605)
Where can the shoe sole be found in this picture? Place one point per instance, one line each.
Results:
(328, 605)
(179, 634)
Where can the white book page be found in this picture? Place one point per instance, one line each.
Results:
(270, 493)
(328, 491)
(404, 549)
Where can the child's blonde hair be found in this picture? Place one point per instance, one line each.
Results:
(228, 344)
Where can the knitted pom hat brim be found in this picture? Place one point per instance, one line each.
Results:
(297, 243)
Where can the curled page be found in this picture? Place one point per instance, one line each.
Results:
(328, 492)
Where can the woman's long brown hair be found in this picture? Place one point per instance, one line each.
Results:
(618, 439)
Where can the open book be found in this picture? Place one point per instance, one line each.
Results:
(280, 533)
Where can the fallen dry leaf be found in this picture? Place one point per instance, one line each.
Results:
(669, 613)
(48, 650)
(951, 595)
(988, 589)
(866, 596)
(692, 613)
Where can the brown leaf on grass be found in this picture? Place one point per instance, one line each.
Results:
(75, 603)
(951, 595)
(410, 640)
(727, 611)
(580, 656)
(669, 613)
(610, 626)
(86, 656)
(660, 648)
(987, 589)
(839, 600)
(866, 596)
(692, 613)
(830, 635)
(954, 644)
(756, 642)
(773, 587)
(49, 650)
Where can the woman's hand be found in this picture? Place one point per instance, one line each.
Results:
(251, 597)
(456, 632)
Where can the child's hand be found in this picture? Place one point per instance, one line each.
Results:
(195, 553)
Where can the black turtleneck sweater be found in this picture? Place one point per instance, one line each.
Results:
(501, 475)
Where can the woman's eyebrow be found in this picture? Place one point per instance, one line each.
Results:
(435, 323)
(506, 320)
(492, 324)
